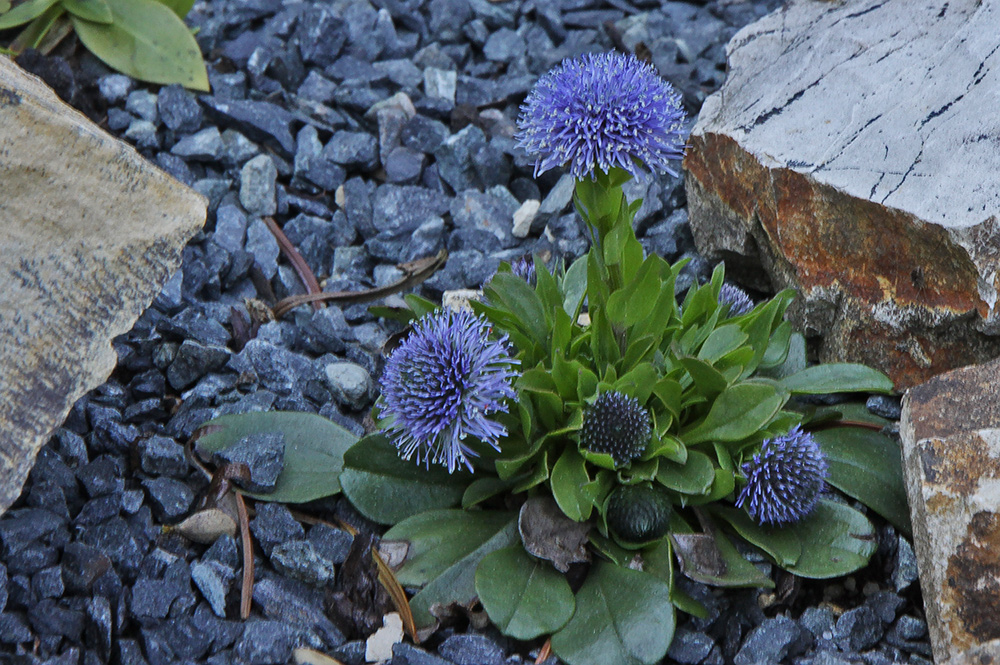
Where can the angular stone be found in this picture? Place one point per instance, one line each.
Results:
(91, 232)
(950, 430)
(881, 214)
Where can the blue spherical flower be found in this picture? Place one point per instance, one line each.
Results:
(440, 385)
(737, 299)
(602, 111)
(785, 479)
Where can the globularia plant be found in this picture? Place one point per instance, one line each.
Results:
(587, 421)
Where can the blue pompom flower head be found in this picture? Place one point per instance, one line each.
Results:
(737, 299)
(440, 385)
(599, 112)
(785, 479)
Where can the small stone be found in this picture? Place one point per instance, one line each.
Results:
(858, 629)
(378, 646)
(504, 45)
(904, 573)
(194, 361)
(885, 604)
(296, 604)
(524, 218)
(48, 583)
(14, 629)
(471, 649)
(557, 200)
(265, 643)
(274, 525)
(230, 228)
(82, 565)
(403, 165)
(212, 579)
(690, 647)
(258, 186)
(331, 544)
(49, 617)
(178, 108)
(205, 146)
(350, 384)
(455, 155)
(3, 587)
(162, 456)
(225, 552)
(236, 148)
(770, 642)
(423, 134)
(132, 501)
(263, 454)
(114, 88)
(143, 134)
(171, 499)
(100, 627)
(440, 83)
(260, 121)
(20, 528)
(352, 150)
(885, 406)
(300, 560)
(100, 477)
(408, 654)
(142, 103)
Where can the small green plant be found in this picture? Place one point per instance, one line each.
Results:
(146, 39)
(590, 420)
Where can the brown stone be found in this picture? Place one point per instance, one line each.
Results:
(842, 156)
(89, 232)
(950, 431)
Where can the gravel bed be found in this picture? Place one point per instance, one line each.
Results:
(373, 133)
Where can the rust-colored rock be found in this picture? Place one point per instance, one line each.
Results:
(89, 232)
(842, 156)
(950, 430)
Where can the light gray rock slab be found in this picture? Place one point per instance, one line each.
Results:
(89, 233)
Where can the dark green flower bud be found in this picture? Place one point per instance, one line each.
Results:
(638, 513)
(618, 426)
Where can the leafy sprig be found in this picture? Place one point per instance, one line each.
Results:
(146, 39)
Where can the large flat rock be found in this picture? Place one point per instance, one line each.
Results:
(950, 430)
(89, 232)
(853, 152)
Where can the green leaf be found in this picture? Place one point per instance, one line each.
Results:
(513, 294)
(837, 378)
(782, 545)
(482, 489)
(569, 476)
(445, 547)
(24, 12)
(386, 488)
(694, 477)
(35, 32)
(778, 346)
(737, 413)
(525, 597)
(574, 286)
(866, 465)
(179, 7)
(96, 11)
(836, 540)
(708, 380)
(4, 6)
(314, 450)
(623, 617)
(147, 41)
(723, 340)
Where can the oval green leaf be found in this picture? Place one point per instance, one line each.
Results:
(386, 488)
(147, 41)
(569, 476)
(314, 450)
(693, 477)
(97, 11)
(782, 545)
(738, 412)
(525, 597)
(867, 466)
(622, 616)
(179, 7)
(836, 540)
(445, 547)
(24, 12)
(837, 378)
